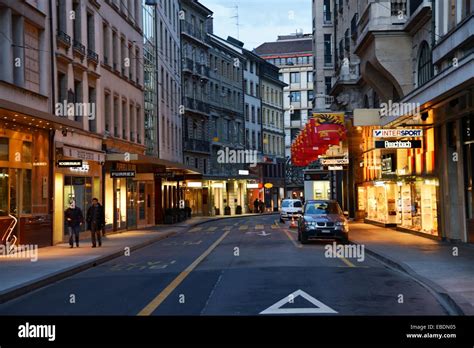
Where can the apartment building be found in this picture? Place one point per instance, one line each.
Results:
(293, 54)
(391, 54)
(227, 125)
(273, 163)
(27, 123)
(169, 86)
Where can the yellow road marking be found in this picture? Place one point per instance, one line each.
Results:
(213, 228)
(292, 240)
(153, 305)
(259, 227)
(347, 262)
(195, 229)
(274, 227)
(243, 227)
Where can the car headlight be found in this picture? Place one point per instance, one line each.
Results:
(310, 223)
(342, 223)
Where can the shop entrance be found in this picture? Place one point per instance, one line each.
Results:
(79, 189)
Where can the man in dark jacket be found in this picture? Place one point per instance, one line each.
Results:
(95, 221)
(74, 219)
(255, 205)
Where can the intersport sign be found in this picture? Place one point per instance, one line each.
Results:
(397, 133)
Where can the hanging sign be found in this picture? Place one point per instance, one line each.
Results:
(398, 144)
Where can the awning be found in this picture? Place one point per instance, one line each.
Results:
(135, 158)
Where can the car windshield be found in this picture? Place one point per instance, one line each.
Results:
(285, 204)
(323, 208)
(297, 204)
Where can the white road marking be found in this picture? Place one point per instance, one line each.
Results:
(264, 234)
(321, 308)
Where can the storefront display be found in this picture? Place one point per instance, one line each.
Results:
(409, 204)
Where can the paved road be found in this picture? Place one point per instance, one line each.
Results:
(232, 267)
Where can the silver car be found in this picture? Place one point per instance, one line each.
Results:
(322, 219)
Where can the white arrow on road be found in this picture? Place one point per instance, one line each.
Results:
(320, 308)
(264, 234)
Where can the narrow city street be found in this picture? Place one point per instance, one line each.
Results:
(240, 266)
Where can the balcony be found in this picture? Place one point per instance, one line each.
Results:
(381, 37)
(348, 73)
(192, 31)
(197, 105)
(460, 36)
(79, 48)
(63, 39)
(384, 15)
(92, 56)
(197, 145)
(188, 65)
(323, 101)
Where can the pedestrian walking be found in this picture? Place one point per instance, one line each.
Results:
(74, 219)
(255, 205)
(95, 221)
(262, 206)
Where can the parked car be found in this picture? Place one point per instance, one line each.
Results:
(322, 219)
(290, 208)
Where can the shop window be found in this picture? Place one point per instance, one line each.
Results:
(26, 194)
(3, 191)
(4, 149)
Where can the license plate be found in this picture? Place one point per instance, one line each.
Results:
(326, 231)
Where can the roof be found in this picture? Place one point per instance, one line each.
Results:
(304, 45)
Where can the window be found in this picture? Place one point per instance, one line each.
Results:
(327, 50)
(309, 76)
(310, 96)
(90, 31)
(107, 111)
(328, 84)
(4, 148)
(425, 66)
(92, 100)
(106, 43)
(253, 114)
(295, 115)
(295, 77)
(295, 97)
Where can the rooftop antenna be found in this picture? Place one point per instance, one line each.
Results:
(237, 23)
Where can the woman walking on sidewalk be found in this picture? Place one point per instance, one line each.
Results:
(74, 219)
(95, 221)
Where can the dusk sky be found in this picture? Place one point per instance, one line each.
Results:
(260, 20)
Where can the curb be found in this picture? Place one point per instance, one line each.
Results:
(445, 299)
(30, 286)
(25, 288)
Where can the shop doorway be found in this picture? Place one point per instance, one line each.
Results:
(79, 189)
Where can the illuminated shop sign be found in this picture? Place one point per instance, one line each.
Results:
(122, 174)
(334, 161)
(336, 168)
(397, 133)
(69, 163)
(399, 144)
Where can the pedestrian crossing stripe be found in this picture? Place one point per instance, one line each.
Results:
(274, 227)
(243, 227)
(195, 229)
(211, 229)
(259, 227)
(227, 228)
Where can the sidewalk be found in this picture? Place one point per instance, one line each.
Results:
(429, 261)
(21, 275)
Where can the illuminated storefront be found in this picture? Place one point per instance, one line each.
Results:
(24, 184)
(78, 177)
(400, 188)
